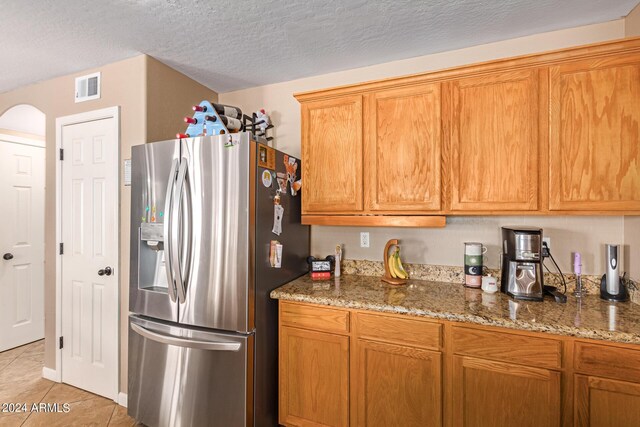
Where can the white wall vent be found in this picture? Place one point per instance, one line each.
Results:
(88, 87)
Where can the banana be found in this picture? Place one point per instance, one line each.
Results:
(394, 265)
(391, 269)
(396, 268)
(400, 268)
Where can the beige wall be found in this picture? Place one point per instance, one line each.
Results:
(632, 23)
(632, 246)
(132, 84)
(122, 85)
(442, 246)
(170, 96)
(445, 246)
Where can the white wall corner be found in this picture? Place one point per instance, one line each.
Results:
(51, 374)
(122, 399)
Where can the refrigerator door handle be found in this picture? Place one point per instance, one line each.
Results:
(168, 249)
(185, 342)
(176, 236)
(188, 226)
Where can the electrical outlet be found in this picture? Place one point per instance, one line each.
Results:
(546, 251)
(364, 239)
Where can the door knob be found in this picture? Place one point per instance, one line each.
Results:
(105, 272)
(7, 256)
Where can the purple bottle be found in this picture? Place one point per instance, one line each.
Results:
(577, 270)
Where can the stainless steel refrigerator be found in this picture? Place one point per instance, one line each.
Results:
(202, 328)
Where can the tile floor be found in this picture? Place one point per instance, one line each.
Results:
(21, 382)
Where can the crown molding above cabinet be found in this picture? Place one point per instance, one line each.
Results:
(547, 134)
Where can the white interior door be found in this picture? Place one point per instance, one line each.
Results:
(21, 242)
(90, 236)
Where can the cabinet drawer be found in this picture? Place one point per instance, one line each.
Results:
(503, 346)
(607, 361)
(312, 317)
(412, 332)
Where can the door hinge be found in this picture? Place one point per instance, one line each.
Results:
(61, 154)
(61, 248)
(61, 343)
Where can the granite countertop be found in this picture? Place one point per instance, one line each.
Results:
(589, 317)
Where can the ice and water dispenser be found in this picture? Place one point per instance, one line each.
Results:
(152, 274)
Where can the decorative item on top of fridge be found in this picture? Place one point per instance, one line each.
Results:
(213, 119)
(261, 123)
(210, 118)
(321, 268)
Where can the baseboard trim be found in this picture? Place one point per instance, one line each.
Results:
(51, 374)
(122, 399)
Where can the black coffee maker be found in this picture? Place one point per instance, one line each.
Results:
(522, 276)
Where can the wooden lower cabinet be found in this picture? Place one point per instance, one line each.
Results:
(495, 394)
(606, 384)
(396, 386)
(601, 402)
(314, 378)
(341, 367)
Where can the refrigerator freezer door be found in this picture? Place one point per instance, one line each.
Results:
(154, 166)
(186, 377)
(216, 284)
(295, 241)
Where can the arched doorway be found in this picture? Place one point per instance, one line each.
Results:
(22, 191)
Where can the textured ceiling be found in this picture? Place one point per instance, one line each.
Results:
(234, 44)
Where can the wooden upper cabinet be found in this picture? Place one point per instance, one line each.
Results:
(332, 155)
(594, 145)
(494, 142)
(554, 133)
(403, 149)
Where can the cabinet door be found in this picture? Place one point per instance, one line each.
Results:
(594, 145)
(494, 142)
(314, 378)
(404, 149)
(601, 402)
(495, 394)
(397, 386)
(332, 155)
